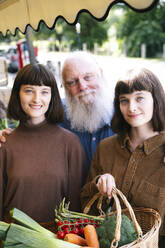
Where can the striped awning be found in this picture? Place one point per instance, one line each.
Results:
(19, 13)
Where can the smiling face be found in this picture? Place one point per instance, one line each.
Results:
(35, 101)
(81, 78)
(137, 108)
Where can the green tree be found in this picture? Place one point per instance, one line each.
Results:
(92, 31)
(135, 28)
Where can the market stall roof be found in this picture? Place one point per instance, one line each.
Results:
(19, 13)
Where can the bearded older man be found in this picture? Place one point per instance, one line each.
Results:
(88, 104)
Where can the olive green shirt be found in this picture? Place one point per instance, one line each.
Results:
(139, 174)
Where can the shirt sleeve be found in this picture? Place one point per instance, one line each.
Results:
(90, 188)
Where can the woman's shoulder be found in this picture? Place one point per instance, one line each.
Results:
(67, 134)
(110, 140)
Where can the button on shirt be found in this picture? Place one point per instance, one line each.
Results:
(139, 174)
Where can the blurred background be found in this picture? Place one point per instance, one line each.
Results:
(123, 40)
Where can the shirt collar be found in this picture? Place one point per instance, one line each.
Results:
(148, 145)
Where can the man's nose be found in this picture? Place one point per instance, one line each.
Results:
(82, 84)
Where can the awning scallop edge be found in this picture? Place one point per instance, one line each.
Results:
(19, 13)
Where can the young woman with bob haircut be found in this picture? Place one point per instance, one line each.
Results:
(138, 80)
(41, 163)
(133, 159)
(36, 75)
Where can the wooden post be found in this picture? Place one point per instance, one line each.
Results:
(143, 50)
(95, 48)
(124, 50)
(31, 51)
(84, 46)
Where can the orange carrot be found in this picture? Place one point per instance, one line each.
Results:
(75, 239)
(91, 236)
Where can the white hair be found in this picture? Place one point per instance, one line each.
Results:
(92, 116)
(81, 55)
(96, 109)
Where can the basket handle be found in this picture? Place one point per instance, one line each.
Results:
(116, 192)
(116, 239)
(91, 201)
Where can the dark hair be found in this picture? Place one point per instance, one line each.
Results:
(35, 74)
(138, 80)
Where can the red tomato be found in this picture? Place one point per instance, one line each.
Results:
(67, 230)
(79, 221)
(81, 230)
(59, 223)
(73, 224)
(61, 234)
(65, 224)
(75, 230)
(86, 221)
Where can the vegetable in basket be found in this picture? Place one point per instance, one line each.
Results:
(106, 231)
(27, 233)
(73, 222)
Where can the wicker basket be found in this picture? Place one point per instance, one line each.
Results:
(146, 221)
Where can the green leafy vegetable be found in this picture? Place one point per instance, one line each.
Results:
(106, 231)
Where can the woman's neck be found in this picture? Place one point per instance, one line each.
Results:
(140, 134)
(36, 121)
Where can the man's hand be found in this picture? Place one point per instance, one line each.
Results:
(3, 133)
(105, 184)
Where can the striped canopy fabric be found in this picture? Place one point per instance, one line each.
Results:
(20, 13)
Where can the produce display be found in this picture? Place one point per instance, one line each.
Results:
(29, 234)
(91, 237)
(73, 222)
(106, 231)
(75, 230)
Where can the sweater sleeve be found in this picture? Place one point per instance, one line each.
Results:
(77, 173)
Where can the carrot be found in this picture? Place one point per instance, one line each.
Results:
(91, 236)
(75, 239)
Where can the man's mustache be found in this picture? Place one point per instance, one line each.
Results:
(86, 92)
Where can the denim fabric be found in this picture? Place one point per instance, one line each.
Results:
(88, 140)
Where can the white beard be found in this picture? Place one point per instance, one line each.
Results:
(90, 112)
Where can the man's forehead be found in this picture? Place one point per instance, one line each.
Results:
(80, 66)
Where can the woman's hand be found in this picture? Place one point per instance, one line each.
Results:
(105, 184)
(4, 132)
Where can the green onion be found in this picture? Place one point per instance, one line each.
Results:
(18, 235)
(3, 230)
(27, 221)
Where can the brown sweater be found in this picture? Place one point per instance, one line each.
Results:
(39, 166)
(140, 174)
